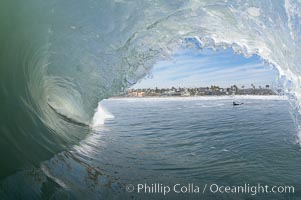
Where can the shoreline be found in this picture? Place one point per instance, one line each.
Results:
(211, 97)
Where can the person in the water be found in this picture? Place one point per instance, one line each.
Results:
(236, 103)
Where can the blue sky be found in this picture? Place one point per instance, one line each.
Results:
(196, 68)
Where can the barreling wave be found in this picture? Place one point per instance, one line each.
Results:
(59, 58)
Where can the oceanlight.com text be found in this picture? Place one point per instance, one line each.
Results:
(191, 188)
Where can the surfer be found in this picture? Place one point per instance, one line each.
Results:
(236, 103)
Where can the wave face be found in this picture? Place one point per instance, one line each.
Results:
(59, 58)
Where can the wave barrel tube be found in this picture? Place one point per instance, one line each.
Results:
(59, 58)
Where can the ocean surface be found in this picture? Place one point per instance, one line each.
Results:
(172, 141)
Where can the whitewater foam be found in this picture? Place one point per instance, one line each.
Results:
(101, 114)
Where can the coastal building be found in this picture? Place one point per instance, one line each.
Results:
(185, 93)
(200, 91)
(136, 94)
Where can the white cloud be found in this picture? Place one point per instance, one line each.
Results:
(193, 69)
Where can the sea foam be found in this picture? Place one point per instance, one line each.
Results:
(101, 114)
